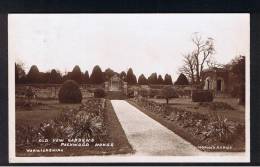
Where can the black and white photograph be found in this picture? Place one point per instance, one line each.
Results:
(129, 87)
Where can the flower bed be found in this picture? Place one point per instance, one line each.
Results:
(87, 121)
(216, 105)
(207, 130)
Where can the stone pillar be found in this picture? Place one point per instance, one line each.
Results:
(106, 86)
(125, 88)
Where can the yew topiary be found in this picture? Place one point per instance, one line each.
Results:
(70, 92)
(202, 96)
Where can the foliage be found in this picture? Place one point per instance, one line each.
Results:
(154, 92)
(33, 75)
(143, 92)
(152, 79)
(202, 96)
(44, 77)
(199, 58)
(169, 92)
(207, 127)
(70, 92)
(160, 80)
(96, 76)
(152, 106)
(216, 105)
(130, 92)
(167, 79)
(76, 75)
(55, 77)
(108, 74)
(182, 80)
(222, 129)
(99, 93)
(87, 121)
(130, 77)
(238, 70)
(123, 76)
(19, 73)
(29, 92)
(142, 80)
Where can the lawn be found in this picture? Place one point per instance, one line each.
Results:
(236, 114)
(111, 138)
(219, 125)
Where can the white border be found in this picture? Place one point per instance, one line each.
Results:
(211, 157)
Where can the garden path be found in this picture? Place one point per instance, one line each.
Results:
(147, 136)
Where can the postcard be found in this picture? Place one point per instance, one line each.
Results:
(129, 87)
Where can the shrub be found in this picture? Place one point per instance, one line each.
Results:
(143, 92)
(70, 92)
(242, 95)
(154, 92)
(202, 96)
(223, 129)
(169, 92)
(217, 106)
(99, 93)
(130, 94)
(85, 121)
(182, 80)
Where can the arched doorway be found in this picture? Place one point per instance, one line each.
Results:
(114, 86)
(115, 83)
(219, 85)
(208, 84)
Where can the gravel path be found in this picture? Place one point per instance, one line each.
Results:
(147, 136)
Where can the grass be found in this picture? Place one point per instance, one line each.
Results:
(49, 109)
(237, 114)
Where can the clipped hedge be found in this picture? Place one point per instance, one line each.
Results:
(143, 92)
(202, 96)
(99, 93)
(155, 92)
(70, 92)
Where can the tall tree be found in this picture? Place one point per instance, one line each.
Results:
(44, 77)
(167, 79)
(160, 80)
(108, 74)
(19, 73)
(96, 76)
(55, 77)
(76, 75)
(182, 80)
(152, 79)
(195, 62)
(168, 92)
(142, 80)
(130, 77)
(123, 76)
(188, 67)
(238, 71)
(33, 75)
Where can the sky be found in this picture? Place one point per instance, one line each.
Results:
(145, 42)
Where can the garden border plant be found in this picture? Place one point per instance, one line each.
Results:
(199, 129)
(95, 117)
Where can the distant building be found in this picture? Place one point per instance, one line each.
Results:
(115, 83)
(218, 80)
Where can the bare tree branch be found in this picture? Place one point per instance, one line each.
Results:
(195, 62)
